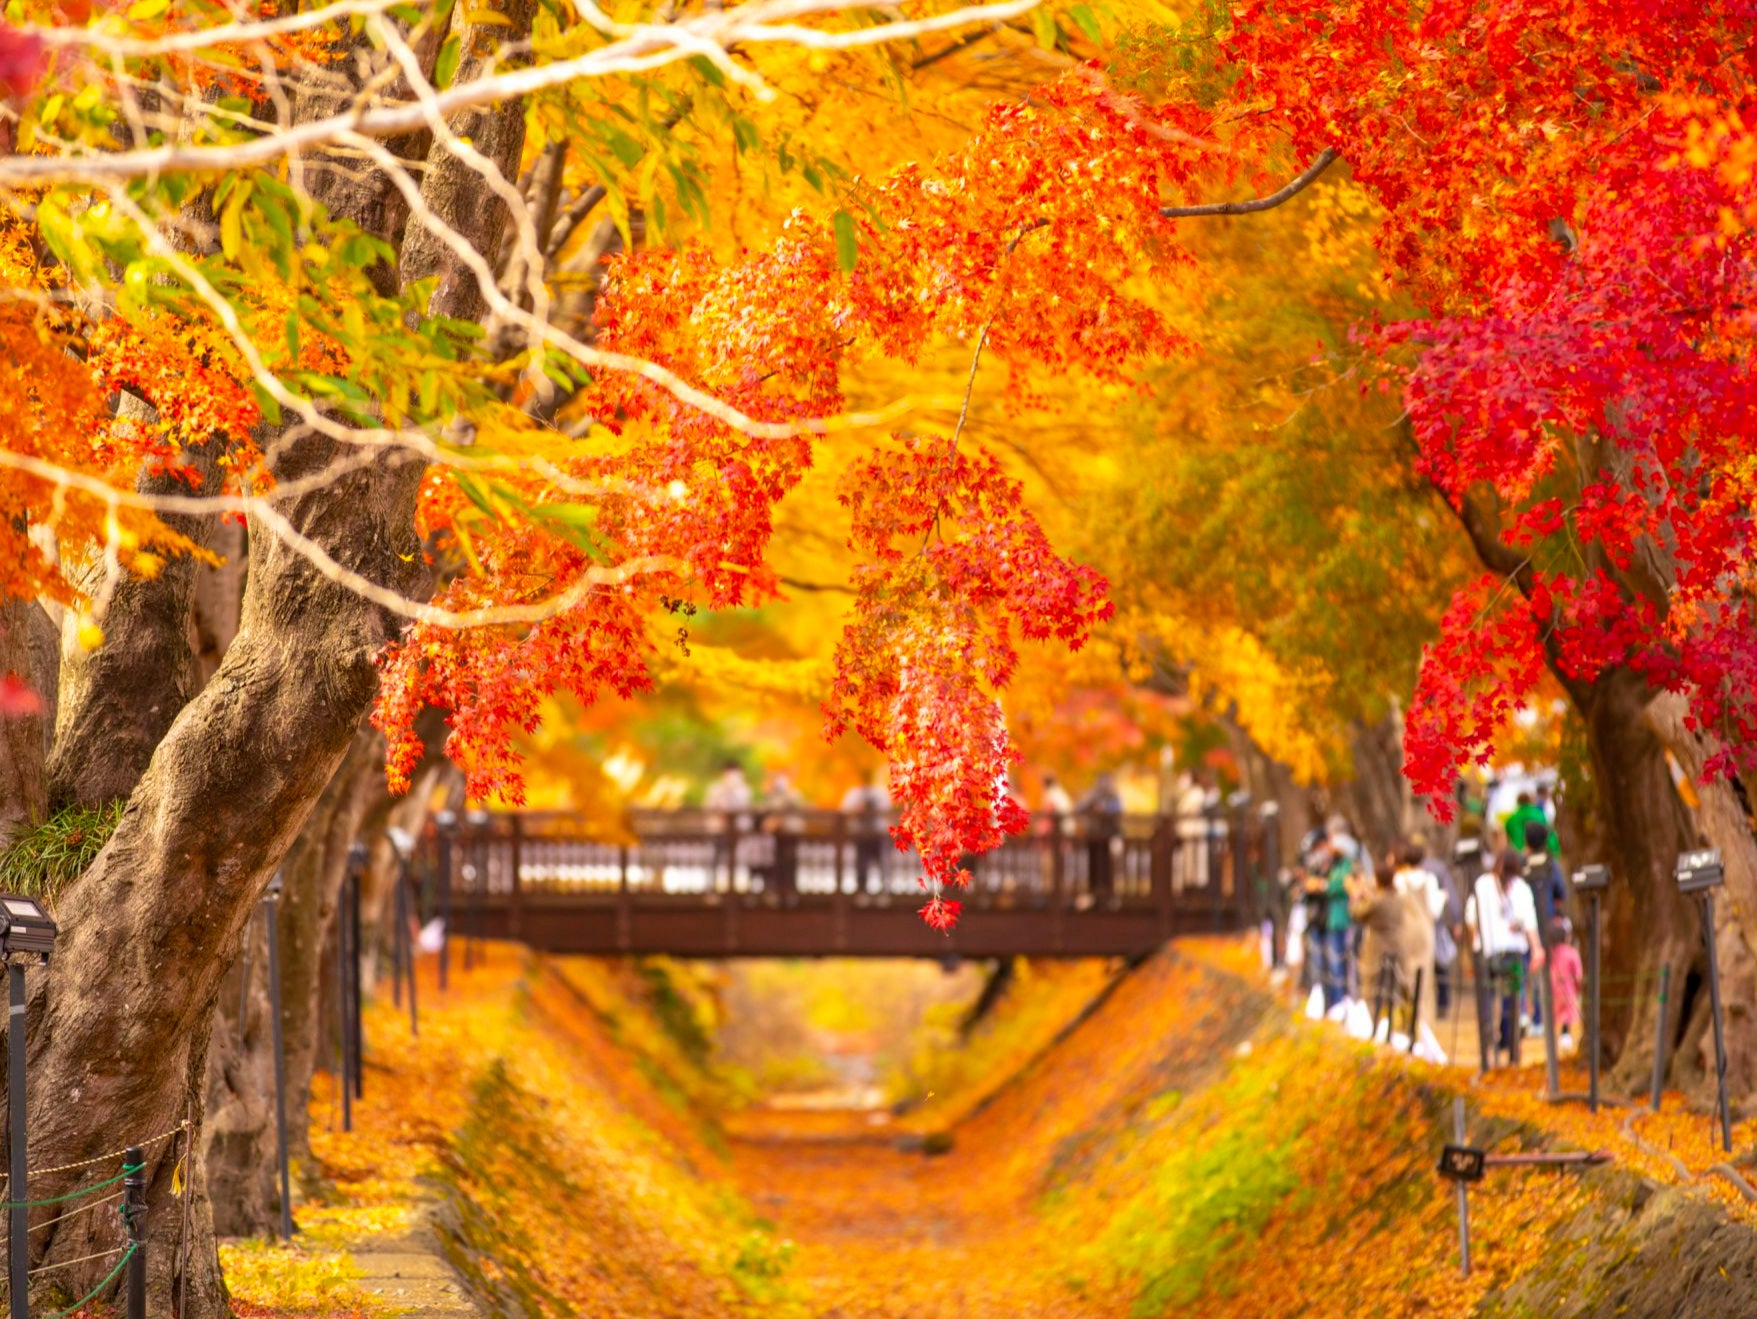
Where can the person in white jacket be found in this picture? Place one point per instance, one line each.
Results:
(1426, 902)
(1502, 918)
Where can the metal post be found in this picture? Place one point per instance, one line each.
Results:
(1659, 1033)
(444, 866)
(274, 1000)
(1463, 1195)
(408, 947)
(1726, 1121)
(133, 1216)
(344, 1081)
(244, 982)
(18, 1260)
(1592, 969)
(1211, 863)
(516, 901)
(354, 1005)
(1479, 972)
(1415, 1009)
(399, 925)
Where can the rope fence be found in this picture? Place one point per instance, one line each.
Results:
(130, 1204)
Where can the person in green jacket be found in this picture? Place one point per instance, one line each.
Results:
(1525, 812)
(1338, 927)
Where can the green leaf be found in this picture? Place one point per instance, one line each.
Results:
(574, 523)
(232, 221)
(627, 150)
(847, 241)
(708, 70)
(1043, 25)
(1087, 22)
(271, 408)
(445, 68)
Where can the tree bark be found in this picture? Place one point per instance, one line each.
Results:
(1720, 820)
(24, 738)
(1377, 799)
(1645, 824)
(121, 1021)
(240, 1133)
(118, 700)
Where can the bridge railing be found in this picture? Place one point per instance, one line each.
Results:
(785, 858)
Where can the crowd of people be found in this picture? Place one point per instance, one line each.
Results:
(1375, 938)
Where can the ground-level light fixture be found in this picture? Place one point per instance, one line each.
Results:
(25, 928)
(27, 934)
(1700, 871)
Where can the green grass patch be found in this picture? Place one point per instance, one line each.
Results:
(40, 860)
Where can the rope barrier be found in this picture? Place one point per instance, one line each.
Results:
(113, 1154)
(69, 1216)
(69, 1263)
(73, 1195)
(97, 1291)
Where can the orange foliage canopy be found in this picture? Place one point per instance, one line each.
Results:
(1025, 246)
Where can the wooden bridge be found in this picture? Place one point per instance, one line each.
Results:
(801, 883)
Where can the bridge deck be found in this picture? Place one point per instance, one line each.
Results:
(826, 883)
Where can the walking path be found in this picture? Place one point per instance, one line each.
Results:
(1161, 1158)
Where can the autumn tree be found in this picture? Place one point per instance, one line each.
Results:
(1578, 395)
(284, 271)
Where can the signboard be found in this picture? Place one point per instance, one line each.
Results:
(1462, 1163)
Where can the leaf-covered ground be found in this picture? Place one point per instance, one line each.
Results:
(1182, 1145)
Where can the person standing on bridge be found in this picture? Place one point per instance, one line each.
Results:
(727, 799)
(1102, 808)
(871, 803)
(782, 821)
(1053, 810)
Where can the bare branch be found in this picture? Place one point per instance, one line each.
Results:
(643, 47)
(1325, 159)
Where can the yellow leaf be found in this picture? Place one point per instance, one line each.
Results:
(89, 634)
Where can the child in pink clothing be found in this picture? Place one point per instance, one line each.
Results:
(1566, 973)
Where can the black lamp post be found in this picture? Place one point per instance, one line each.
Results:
(1700, 873)
(445, 826)
(271, 898)
(26, 933)
(1592, 881)
(404, 846)
(1467, 858)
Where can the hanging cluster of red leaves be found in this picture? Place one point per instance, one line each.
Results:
(1027, 243)
(1584, 391)
(957, 567)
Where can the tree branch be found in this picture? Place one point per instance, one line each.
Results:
(1326, 158)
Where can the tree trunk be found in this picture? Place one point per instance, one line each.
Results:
(121, 1021)
(149, 931)
(240, 1133)
(1377, 799)
(1721, 820)
(118, 700)
(24, 737)
(1645, 824)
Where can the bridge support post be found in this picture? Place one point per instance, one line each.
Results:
(622, 908)
(1160, 873)
(514, 921)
